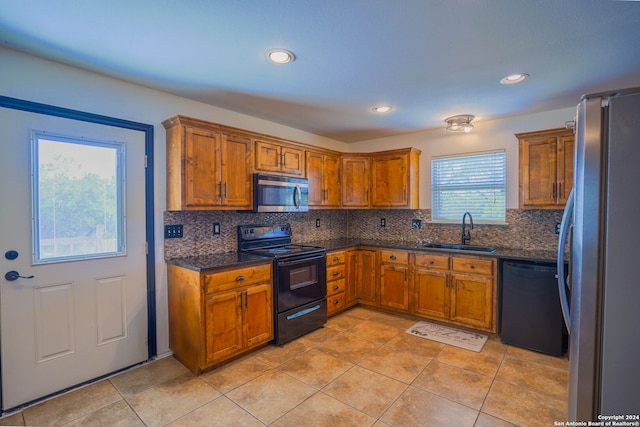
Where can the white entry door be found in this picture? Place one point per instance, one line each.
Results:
(79, 309)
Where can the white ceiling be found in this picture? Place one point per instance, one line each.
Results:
(429, 59)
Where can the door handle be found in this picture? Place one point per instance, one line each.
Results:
(14, 275)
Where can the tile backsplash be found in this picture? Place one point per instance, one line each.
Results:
(525, 229)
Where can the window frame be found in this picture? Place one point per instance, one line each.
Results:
(120, 147)
(476, 219)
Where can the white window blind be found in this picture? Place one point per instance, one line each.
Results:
(473, 183)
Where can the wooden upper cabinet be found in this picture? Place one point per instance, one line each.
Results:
(395, 179)
(207, 167)
(237, 157)
(546, 168)
(355, 182)
(323, 173)
(272, 156)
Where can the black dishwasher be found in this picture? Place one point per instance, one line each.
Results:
(530, 313)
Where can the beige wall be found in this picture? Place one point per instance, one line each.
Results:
(487, 135)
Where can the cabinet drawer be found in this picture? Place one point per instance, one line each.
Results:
(230, 279)
(437, 262)
(335, 273)
(334, 258)
(393, 256)
(471, 265)
(335, 303)
(335, 287)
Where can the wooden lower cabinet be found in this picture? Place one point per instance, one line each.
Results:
(217, 315)
(336, 281)
(394, 280)
(460, 290)
(361, 276)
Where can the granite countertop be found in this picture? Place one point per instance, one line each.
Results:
(232, 259)
(500, 253)
(217, 261)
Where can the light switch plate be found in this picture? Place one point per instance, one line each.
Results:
(173, 231)
(416, 223)
(216, 228)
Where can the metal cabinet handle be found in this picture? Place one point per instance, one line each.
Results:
(240, 278)
(336, 302)
(335, 288)
(335, 258)
(392, 257)
(335, 273)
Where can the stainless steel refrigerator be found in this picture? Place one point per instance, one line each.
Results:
(602, 296)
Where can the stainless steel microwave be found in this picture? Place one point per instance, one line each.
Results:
(273, 193)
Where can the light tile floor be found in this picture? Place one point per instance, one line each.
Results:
(360, 370)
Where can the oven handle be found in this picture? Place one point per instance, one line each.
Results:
(300, 260)
(303, 312)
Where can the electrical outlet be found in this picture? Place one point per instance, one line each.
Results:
(216, 228)
(318, 222)
(557, 229)
(416, 223)
(173, 231)
(383, 222)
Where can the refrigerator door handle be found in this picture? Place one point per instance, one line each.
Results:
(562, 240)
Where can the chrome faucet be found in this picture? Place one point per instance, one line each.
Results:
(466, 235)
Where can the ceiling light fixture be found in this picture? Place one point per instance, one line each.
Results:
(514, 78)
(281, 56)
(382, 108)
(460, 123)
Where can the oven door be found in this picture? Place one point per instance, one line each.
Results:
(300, 280)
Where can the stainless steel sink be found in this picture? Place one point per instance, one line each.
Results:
(458, 247)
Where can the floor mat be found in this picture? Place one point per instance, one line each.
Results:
(446, 335)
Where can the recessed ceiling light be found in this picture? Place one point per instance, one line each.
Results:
(382, 108)
(281, 56)
(514, 78)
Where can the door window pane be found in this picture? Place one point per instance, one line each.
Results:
(77, 189)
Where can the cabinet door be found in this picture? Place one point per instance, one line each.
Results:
(258, 314)
(201, 171)
(332, 180)
(538, 165)
(292, 160)
(223, 325)
(237, 156)
(389, 181)
(352, 262)
(366, 280)
(566, 154)
(431, 293)
(394, 287)
(267, 156)
(472, 300)
(355, 182)
(315, 176)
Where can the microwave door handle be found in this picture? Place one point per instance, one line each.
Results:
(297, 195)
